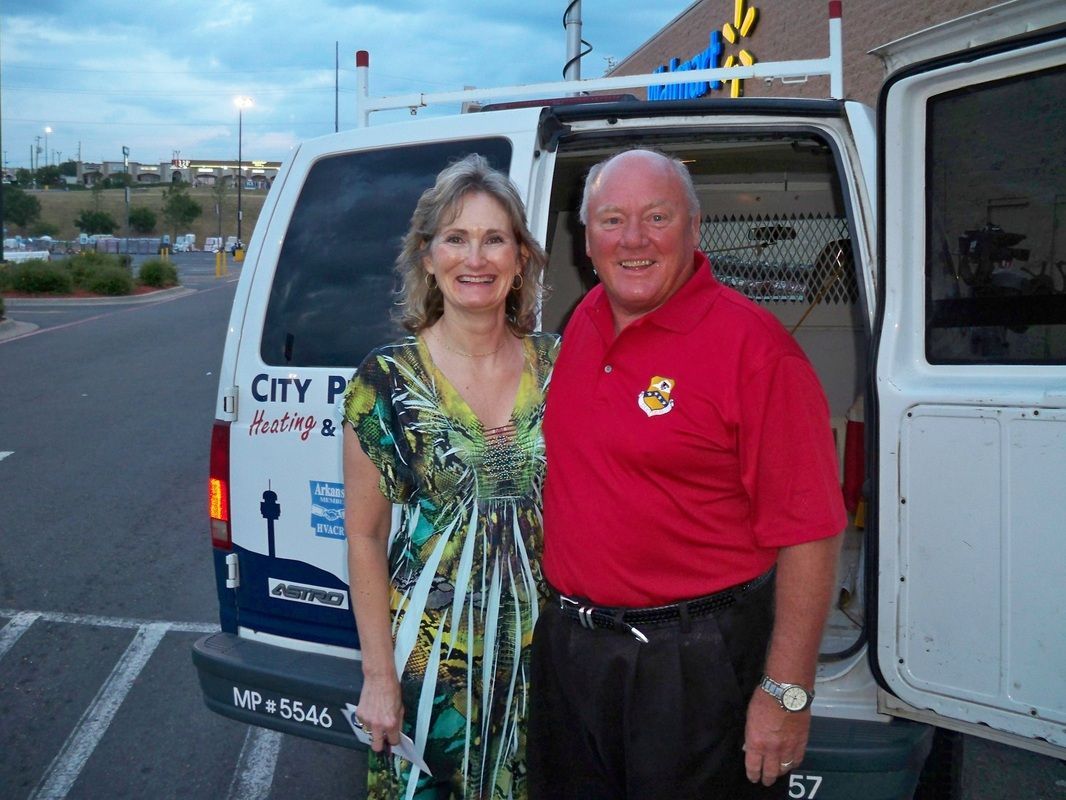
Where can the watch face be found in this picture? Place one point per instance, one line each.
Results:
(794, 698)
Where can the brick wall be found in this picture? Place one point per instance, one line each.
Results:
(791, 29)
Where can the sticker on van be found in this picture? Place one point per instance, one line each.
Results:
(327, 509)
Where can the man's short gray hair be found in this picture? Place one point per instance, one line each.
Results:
(675, 163)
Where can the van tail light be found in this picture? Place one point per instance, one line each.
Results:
(218, 486)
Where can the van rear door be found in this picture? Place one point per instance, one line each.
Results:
(970, 379)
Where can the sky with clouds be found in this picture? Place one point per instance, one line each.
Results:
(161, 76)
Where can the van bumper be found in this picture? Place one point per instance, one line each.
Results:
(848, 759)
(294, 692)
(288, 690)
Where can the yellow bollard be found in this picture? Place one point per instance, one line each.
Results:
(218, 264)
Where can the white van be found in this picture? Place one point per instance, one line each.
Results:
(918, 256)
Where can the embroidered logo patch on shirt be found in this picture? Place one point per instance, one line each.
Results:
(655, 400)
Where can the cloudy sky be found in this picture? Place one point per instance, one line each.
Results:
(160, 76)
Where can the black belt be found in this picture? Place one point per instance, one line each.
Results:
(627, 619)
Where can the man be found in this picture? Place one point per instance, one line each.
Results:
(692, 510)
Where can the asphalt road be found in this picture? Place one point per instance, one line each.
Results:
(106, 575)
(105, 570)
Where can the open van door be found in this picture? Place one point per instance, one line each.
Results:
(970, 378)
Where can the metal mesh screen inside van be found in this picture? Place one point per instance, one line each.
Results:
(782, 258)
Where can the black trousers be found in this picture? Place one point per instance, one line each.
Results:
(612, 718)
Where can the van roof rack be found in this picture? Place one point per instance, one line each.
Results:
(797, 70)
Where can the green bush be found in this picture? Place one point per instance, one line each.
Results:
(1, 308)
(110, 281)
(42, 228)
(88, 263)
(142, 220)
(41, 277)
(157, 273)
(5, 277)
(89, 221)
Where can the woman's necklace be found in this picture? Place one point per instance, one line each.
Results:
(451, 349)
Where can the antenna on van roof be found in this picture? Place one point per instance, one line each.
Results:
(831, 66)
(574, 42)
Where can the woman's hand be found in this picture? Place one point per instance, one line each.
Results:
(380, 710)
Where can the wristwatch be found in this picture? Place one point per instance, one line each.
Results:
(792, 697)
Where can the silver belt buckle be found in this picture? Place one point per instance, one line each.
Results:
(584, 616)
(584, 613)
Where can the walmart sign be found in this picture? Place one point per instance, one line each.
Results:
(710, 58)
(744, 22)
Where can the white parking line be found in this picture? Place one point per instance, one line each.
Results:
(93, 724)
(14, 629)
(68, 763)
(255, 765)
(5, 453)
(112, 622)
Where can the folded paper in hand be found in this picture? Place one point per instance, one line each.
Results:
(405, 749)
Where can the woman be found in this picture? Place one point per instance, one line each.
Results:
(446, 423)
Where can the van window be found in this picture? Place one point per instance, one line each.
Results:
(996, 223)
(333, 293)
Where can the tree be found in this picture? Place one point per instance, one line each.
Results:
(48, 176)
(95, 222)
(142, 219)
(69, 168)
(20, 207)
(23, 177)
(97, 195)
(179, 210)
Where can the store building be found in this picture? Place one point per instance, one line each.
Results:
(198, 172)
(750, 30)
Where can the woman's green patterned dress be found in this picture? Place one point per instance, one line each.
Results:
(464, 564)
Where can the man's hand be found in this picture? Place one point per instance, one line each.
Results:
(774, 739)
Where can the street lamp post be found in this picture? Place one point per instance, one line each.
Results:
(126, 189)
(47, 130)
(241, 103)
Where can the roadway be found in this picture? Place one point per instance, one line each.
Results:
(105, 567)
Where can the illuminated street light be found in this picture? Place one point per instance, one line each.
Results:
(241, 103)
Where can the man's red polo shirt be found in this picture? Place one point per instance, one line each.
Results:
(683, 452)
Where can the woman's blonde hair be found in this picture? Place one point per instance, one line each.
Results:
(421, 301)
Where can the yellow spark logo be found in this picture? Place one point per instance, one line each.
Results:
(742, 25)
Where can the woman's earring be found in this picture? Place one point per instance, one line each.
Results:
(520, 281)
(431, 281)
